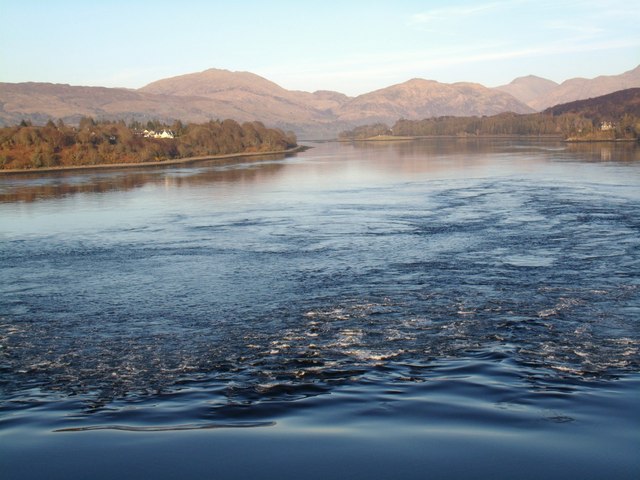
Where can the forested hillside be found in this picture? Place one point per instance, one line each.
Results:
(93, 143)
(604, 108)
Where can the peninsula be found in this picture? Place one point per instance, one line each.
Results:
(26, 147)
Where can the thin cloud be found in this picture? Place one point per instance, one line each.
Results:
(133, 76)
(438, 14)
(436, 57)
(573, 27)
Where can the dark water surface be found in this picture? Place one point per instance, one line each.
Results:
(427, 309)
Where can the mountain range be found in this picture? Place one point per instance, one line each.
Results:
(540, 93)
(244, 96)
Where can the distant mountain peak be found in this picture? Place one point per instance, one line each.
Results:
(540, 93)
(528, 88)
(417, 81)
(209, 82)
(534, 78)
(419, 98)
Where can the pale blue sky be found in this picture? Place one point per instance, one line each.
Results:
(349, 46)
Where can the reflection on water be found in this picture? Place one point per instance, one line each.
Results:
(429, 155)
(29, 187)
(557, 149)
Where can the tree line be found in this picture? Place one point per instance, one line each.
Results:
(568, 125)
(55, 144)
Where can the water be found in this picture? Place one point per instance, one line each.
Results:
(449, 308)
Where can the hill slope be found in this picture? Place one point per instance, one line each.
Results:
(419, 98)
(212, 82)
(253, 95)
(528, 89)
(42, 101)
(539, 93)
(611, 107)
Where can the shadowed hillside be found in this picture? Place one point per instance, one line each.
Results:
(609, 107)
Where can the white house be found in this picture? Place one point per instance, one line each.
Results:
(154, 134)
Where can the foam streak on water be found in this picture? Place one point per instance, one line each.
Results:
(342, 289)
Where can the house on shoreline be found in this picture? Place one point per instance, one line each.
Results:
(154, 134)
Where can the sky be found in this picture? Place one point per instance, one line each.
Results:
(348, 46)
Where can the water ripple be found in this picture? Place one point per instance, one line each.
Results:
(502, 289)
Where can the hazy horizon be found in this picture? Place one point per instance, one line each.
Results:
(352, 48)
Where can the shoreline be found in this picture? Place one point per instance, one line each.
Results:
(477, 137)
(611, 140)
(176, 161)
(391, 138)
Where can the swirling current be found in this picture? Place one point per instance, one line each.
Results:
(245, 301)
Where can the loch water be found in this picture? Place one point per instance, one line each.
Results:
(437, 308)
